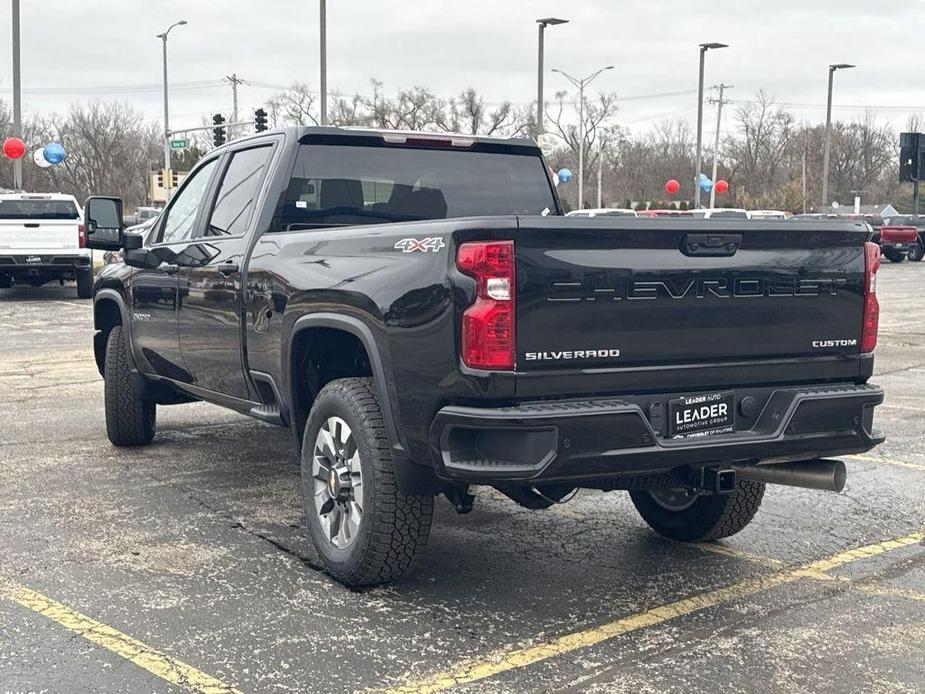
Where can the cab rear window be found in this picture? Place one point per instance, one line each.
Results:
(344, 185)
(38, 209)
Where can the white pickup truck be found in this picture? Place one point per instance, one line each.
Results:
(42, 240)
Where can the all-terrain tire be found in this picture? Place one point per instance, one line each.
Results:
(85, 283)
(894, 257)
(394, 527)
(917, 253)
(709, 517)
(130, 419)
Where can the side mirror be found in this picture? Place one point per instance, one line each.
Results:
(103, 224)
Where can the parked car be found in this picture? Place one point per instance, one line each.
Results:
(421, 315)
(898, 240)
(603, 212)
(917, 252)
(42, 240)
(720, 213)
(652, 214)
(768, 214)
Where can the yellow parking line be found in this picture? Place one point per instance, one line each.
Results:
(510, 659)
(157, 663)
(888, 461)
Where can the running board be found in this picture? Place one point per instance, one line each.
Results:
(267, 413)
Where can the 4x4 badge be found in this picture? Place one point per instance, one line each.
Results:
(432, 243)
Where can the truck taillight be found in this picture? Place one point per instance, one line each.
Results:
(81, 237)
(488, 324)
(871, 305)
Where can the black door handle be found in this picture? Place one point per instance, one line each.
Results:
(227, 268)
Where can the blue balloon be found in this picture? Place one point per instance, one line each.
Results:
(706, 185)
(565, 175)
(54, 153)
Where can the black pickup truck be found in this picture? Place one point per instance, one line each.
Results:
(421, 315)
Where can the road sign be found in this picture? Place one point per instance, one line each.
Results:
(179, 144)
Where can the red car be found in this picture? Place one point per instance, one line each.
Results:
(897, 241)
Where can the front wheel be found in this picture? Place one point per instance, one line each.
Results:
(681, 514)
(364, 529)
(917, 253)
(130, 419)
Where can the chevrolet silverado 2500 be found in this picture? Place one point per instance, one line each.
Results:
(421, 315)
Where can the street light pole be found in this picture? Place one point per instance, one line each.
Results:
(324, 62)
(163, 38)
(17, 96)
(541, 26)
(828, 129)
(581, 83)
(704, 47)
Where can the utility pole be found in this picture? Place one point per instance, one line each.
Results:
(600, 176)
(324, 62)
(234, 81)
(17, 96)
(719, 121)
(804, 176)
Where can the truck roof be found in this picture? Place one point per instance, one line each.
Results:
(300, 132)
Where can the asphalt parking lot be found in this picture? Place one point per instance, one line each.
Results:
(182, 567)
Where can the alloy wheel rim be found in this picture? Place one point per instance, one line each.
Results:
(674, 499)
(337, 483)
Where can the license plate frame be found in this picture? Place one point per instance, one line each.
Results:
(701, 414)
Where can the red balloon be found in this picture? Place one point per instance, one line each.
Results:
(672, 187)
(722, 186)
(13, 147)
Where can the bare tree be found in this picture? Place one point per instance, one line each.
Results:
(295, 106)
(758, 153)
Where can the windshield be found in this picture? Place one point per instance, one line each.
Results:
(38, 209)
(339, 185)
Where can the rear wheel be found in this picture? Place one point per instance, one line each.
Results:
(364, 528)
(895, 257)
(917, 253)
(85, 283)
(685, 515)
(130, 420)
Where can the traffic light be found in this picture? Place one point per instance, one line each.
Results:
(160, 178)
(174, 179)
(911, 156)
(260, 120)
(218, 132)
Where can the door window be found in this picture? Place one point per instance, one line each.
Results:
(181, 215)
(237, 196)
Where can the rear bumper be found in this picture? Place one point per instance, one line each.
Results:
(603, 438)
(43, 264)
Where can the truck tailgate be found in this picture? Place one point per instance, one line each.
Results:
(601, 298)
(38, 235)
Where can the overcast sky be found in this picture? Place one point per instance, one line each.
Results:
(783, 47)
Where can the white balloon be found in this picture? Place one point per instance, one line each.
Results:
(39, 158)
